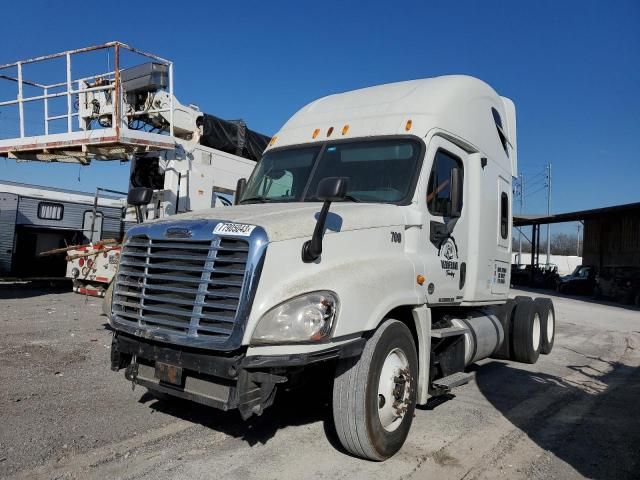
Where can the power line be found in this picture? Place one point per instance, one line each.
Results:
(537, 183)
(538, 175)
(544, 187)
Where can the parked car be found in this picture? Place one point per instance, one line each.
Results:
(581, 281)
(618, 282)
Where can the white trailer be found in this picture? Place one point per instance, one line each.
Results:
(373, 238)
(36, 218)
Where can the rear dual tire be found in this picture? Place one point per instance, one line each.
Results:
(374, 395)
(526, 331)
(547, 324)
(534, 328)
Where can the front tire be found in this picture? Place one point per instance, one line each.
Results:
(374, 396)
(106, 301)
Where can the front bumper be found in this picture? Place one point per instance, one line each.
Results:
(224, 380)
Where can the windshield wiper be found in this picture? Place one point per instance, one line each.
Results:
(254, 199)
(351, 198)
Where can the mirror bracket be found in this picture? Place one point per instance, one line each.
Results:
(329, 189)
(456, 192)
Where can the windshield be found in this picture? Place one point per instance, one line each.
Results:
(378, 171)
(581, 271)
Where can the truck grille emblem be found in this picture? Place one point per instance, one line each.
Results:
(178, 233)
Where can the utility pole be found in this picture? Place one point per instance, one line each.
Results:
(548, 213)
(521, 194)
(578, 241)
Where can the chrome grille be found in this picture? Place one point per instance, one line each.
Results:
(189, 288)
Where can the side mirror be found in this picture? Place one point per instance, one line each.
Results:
(455, 194)
(330, 189)
(139, 196)
(241, 186)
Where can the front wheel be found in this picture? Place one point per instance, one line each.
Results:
(106, 301)
(374, 396)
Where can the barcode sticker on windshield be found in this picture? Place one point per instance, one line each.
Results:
(234, 229)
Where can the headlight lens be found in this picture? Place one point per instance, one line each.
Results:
(305, 318)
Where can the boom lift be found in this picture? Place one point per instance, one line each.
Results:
(186, 159)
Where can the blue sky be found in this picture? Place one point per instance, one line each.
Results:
(572, 68)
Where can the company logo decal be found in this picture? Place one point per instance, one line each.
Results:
(448, 254)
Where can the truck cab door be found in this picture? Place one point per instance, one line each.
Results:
(445, 230)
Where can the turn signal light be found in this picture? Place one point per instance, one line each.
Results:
(420, 279)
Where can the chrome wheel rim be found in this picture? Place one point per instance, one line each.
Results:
(394, 390)
(536, 331)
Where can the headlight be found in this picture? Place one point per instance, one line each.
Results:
(305, 318)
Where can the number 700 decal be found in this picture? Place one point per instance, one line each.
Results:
(396, 237)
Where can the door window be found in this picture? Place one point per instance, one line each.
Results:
(504, 215)
(439, 191)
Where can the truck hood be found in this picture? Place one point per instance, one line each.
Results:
(285, 221)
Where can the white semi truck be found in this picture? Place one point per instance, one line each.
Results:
(373, 238)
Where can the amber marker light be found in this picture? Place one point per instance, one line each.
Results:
(330, 131)
(408, 125)
(420, 279)
(273, 141)
(345, 129)
(315, 133)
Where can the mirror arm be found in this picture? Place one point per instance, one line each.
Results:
(456, 192)
(312, 249)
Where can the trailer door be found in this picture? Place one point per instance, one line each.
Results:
(8, 212)
(96, 235)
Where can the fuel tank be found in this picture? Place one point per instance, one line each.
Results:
(485, 333)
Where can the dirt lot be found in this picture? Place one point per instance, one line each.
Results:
(64, 414)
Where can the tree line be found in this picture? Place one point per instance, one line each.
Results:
(561, 244)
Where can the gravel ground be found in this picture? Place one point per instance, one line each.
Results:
(64, 414)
